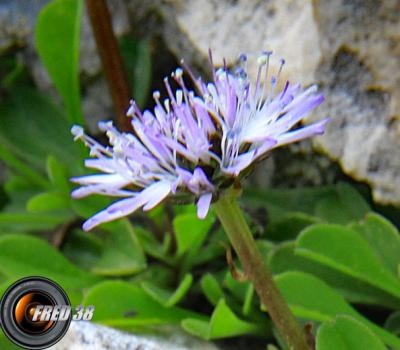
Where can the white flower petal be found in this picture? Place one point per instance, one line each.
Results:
(160, 190)
(203, 205)
(112, 179)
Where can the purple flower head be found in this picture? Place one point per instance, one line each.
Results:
(195, 142)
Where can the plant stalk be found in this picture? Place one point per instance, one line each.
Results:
(256, 271)
(111, 59)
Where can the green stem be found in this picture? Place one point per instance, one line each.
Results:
(256, 271)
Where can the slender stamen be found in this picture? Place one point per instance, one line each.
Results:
(210, 59)
(169, 90)
(265, 83)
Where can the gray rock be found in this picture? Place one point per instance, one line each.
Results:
(350, 48)
(17, 19)
(360, 75)
(230, 27)
(89, 336)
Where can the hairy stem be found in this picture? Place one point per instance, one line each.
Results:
(111, 59)
(257, 272)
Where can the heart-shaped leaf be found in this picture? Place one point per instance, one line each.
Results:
(128, 306)
(343, 206)
(345, 250)
(346, 333)
(283, 258)
(190, 232)
(383, 238)
(312, 299)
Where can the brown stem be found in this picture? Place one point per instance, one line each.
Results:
(255, 269)
(111, 59)
(57, 239)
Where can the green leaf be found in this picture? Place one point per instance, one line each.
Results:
(23, 255)
(212, 249)
(241, 297)
(112, 252)
(46, 202)
(344, 250)
(289, 226)
(283, 258)
(281, 201)
(238, 288)
(272, 347)
(223, 323)
(58, 175)
(6, 344)
(346, 333)
(342, 207)
(211, 288)
(6, 282)
(45, 131)
(392, 324)
(310, 298)
(13, 70)
(17, 186)
(152, 246)
(265, 246)
(88, 206)
(158, 273)
(2, 278)
(248, 301)
(198, 328)
(336, 204)
(127, 305)
(383, 239)
(33, 176)
(165, 297)
(57, 41)
(23, 221)
(190, 232)
(137, 60)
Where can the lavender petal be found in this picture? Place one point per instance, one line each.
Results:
(203, 205)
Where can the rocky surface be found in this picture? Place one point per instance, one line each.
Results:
(17, 19)
(89, 336)
(360, 74)
(350, 48)
(17, 23)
